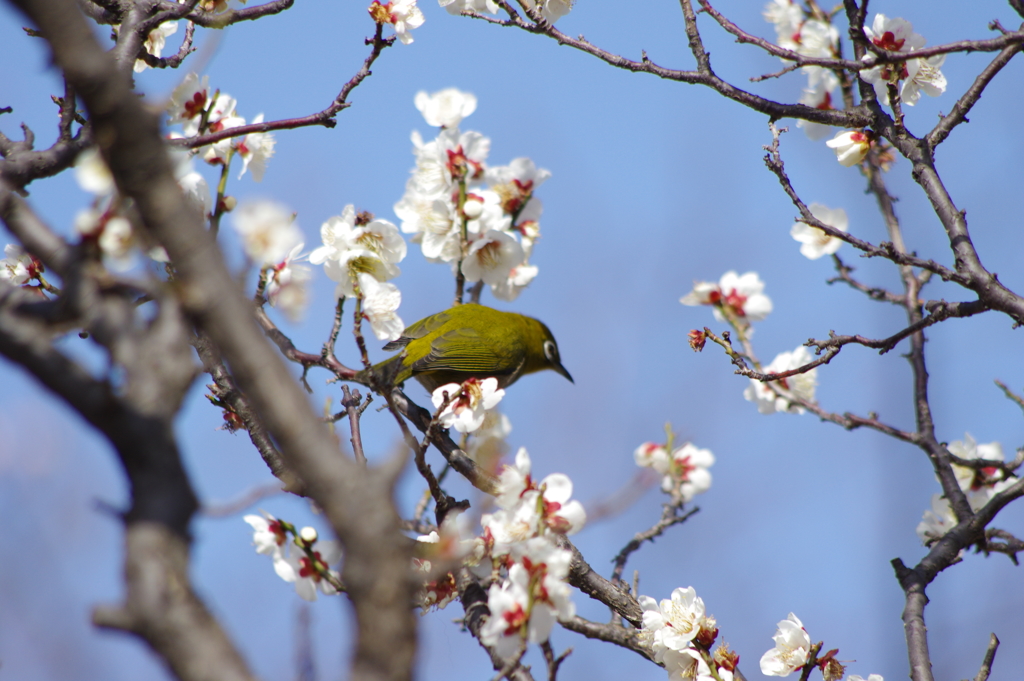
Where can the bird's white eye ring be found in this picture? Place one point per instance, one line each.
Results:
(551, 350)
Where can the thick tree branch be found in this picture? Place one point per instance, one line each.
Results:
(704, 75)
(356, 501)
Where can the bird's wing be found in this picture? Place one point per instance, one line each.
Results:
(418, 330)
(462, 350)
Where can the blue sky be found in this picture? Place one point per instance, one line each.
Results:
(654, 185)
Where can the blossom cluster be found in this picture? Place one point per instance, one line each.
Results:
(272, 239)
(810, 35)
(739, 300)
(791, 651)
(809, 32)
(978, 484)
(305, 561)
(671, 628)
(815, 243)
(684, 471)
(19, 267)
(774, 396)
(107, 222)
(517, 553)
(911, 77)
(404, 15)
(482, 221)
(468, 403)
(199, 112)
(362, 253)
(531, 592)
(550, 10)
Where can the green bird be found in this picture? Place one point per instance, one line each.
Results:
(469, 341)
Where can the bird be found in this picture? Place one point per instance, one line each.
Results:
(468, 341)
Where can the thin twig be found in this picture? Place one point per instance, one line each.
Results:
(670, 516)
(1010, 395)
(326, 118)
(552, 661)
(990, 656)
(351, 400)
(238, 505)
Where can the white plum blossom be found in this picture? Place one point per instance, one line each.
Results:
(18, 268)
(529, 602)
(404, 15)
(503, 630)
(818, 39)
(893, 35)
(309, 568)
(685, 469)
(445, 108)
(740, 296)
(814, 242)
(652, 455)
(491, 258)
(380, 301)
(688, 470)
(426, 209)
(937, 521)
(518, 278)
(799, 385)
(432, 223)
(673, 623)
(222, 114)
(432, 177)
(155, 43)
(116, 240)
(687, 665)
(221, 151)
(897, 35)
(255, 149)
(378, 238)
(529, 509)
(560, 513)
(787, 16)
(459, 6)
(357, 244)
(516, 182)
(544, 506)
(468, 402)
(982, 484)
(871, 677)
(818, 97)
(286, 284)
(792, 645)
(552, 10)
(269, 535)
(188, 101)
(92, 174)
(851, 146)
(488, 443)
(268, 231)
(928, 79)
(197, 190)
(515, 480)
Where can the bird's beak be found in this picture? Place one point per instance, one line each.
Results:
(561, 369)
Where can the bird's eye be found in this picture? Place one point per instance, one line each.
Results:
(551, 351)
